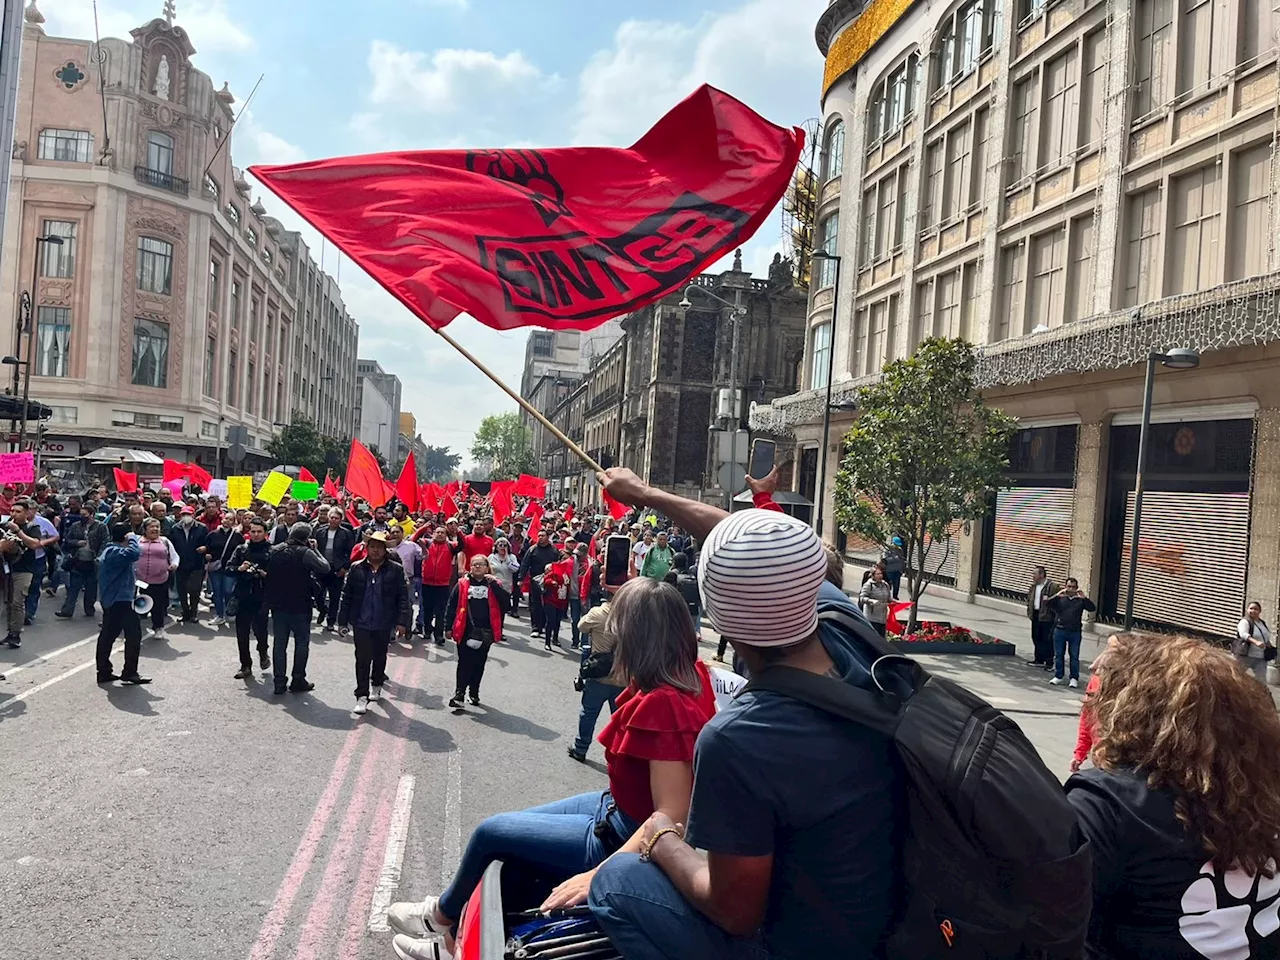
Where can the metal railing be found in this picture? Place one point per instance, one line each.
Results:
(161, 180)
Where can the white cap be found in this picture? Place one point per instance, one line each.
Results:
(759, 573)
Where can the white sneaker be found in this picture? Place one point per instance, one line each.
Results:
(375, 694)
(1055, 681)
(407, 948)
(362, 705)
(1073, 683)
(219, 621)
(414, 920)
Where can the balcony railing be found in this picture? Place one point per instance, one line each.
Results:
(161, 180)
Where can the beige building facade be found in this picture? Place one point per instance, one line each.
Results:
(168, 315)
(1071, 186)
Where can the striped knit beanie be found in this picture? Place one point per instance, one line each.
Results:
(759, 573)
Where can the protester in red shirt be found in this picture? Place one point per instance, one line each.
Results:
(555, 597)
(212, 516)
(649, 751)
(477, 543)
(437, 575)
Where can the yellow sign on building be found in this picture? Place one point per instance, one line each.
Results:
(863, 34)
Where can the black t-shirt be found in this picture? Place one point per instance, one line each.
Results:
(1156, 896)
(776, 776)
(25, 562)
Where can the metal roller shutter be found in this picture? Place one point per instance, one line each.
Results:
(1033, 528)
(1192, 559)
(946, 548)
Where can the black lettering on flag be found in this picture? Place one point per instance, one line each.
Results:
(579, 275)
(516, 273)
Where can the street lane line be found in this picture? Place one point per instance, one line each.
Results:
(40, 661)
(19, 697)
(273, 925)
(393, 856)
(451, 842)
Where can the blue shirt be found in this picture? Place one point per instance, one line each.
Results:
(370, 615)
(116, 578)
(47, 529)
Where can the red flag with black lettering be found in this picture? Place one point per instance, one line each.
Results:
(563, 238)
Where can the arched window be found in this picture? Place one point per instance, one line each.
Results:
(894, 98)
(160, 153)
(833, 150)
(965, 35)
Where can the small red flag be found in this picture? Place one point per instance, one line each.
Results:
(528, 486)
(199, 476)
(125, 482)
(364, 476)
(449, 507)
(503, 505)
(352, 518)
(592, 550)
(533, 510)
(428, 500)
(568, 514)
(173, 470)
(616, 510)
(330, 488)
(451, 488)
(407, 485)
(563, 238)
(305, 475)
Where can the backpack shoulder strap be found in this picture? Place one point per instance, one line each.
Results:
(861, 630)
(878, 711)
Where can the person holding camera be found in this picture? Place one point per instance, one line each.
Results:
(476, 610)
(248, 569)
(1069, 606)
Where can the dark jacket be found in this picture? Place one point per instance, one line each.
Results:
(344, 542)
(397, 610)
(187, 542)
(536, 560)
(221, 545)
(1070, 612)
(289, 569)
(249, 584)
(1044, 612)
(84, 535)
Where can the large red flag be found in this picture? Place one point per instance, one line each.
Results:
(125, 482)
(528, 486)
(173, 470)
(503, 504)
(449, 507)
(364, 476)
(330, 488)
(563, 238)
(199, 475)
(305, 475)
(407, 485)
(428, 499)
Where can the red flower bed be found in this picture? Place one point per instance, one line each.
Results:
(942, 633)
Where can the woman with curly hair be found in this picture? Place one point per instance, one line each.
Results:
(1182, 807)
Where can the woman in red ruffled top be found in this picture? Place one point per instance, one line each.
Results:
(649, 750)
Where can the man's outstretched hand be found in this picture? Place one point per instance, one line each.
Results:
(624, 486)
(766, 484)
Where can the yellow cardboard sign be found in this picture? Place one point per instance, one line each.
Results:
(275, 487)
(239, 492)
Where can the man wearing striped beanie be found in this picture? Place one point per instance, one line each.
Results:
(795, 809)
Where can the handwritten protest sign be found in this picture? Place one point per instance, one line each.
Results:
(274, 488)
(17, 468)
(239, 492)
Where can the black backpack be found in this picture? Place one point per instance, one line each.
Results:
(994, 865)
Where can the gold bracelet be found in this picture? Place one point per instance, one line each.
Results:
(646, 854)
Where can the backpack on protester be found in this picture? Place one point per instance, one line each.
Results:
(993, 863)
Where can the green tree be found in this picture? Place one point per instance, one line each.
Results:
(505, 443)
(924, 453)
(439, 464)
(302, 444)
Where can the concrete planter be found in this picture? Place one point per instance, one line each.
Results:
(997, 648)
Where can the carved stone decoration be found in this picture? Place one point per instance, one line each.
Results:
(145, 217)
(55, 293)
(70, 76)
(20, 150)
(161, 88)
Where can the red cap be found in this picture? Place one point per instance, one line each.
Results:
(186, 510)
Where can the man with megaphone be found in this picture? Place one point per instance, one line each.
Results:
(117, 591)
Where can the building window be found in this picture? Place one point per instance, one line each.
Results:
(1154, 62)
(210, 365)
(155, 265)
(1048, 278)
(882, 216)
(233, 213)
(1200, 47)
(1080, 269)
(65, 415)
(956, 191)
(965, 37)
(542, 344)
(829, 235)
(1092, 88)
(947, 320)
(232, 382)
(833, 150)
(266, 256)
(67, 146)
(821, 356)
(1256, 31)
(208, 429)
(55, 260)
(931, 202)
(251, 235)
(250, 394)
(211, 189)
(147, 421)
(215, 286)
(1011, 319)
(235, 304)
(1250, 197)
(1142, 274)
(893, 99)
(1061, 101)
(1196, 242)
(150, 353)
(1022, 131)
(160, 153)
(53, 340)
(922, 324)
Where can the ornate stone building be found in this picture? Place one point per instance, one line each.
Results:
(1071, 185)
(167, 314)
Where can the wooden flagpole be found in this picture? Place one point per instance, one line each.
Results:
(536, 414)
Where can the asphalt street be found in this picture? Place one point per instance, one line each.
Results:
(205, 817)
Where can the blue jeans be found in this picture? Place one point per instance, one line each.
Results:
(220, 585)
(1064, 640)
(298, 624)
(38, 571)
(78, 580)
(557, 836)
(595, 694)
(575, 614)
(647, 918)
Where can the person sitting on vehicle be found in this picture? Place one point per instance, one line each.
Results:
(649, 752)
(795, 809)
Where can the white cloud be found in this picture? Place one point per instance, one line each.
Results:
(446, 81)
(207, 22)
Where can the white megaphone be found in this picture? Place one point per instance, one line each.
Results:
(142, 602)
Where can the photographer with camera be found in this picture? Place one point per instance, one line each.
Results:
(248, 568)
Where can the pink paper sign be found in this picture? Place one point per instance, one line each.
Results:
(17, 468)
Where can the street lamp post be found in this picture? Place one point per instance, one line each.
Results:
(831, 369)
(14, 362)
(1179, 359)
(739, 311)
(31, 334)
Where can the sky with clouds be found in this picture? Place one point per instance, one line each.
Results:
(345, 78)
